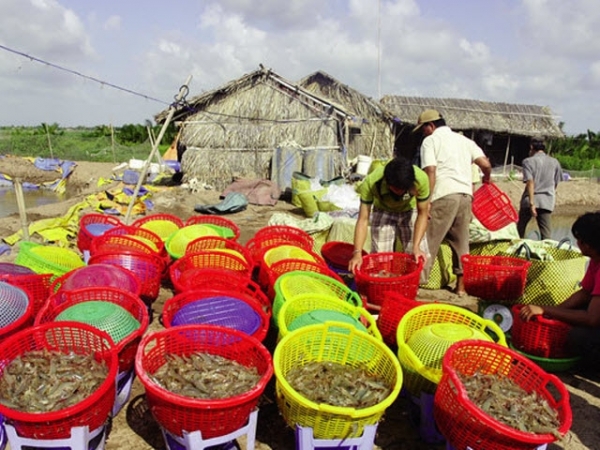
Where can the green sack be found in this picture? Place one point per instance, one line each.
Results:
(300, 183)
(441, 274)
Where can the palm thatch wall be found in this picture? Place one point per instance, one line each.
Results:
(369, 128)
(503, 130)
(233, 131)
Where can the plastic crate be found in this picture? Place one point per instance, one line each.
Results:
(540, 336)
(464, 424)
(179, 414)
(495, 278)
(388, 271)
(493, 208)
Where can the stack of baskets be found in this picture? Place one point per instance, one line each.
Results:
(543, 340)
(466, 425)
(57, 339)
(387, 271)
(336, 343)
(212, 417)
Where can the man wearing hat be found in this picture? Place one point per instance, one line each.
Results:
(446, 158)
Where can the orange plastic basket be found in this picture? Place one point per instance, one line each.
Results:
(388, 271)
(495, 278)
(64, 337)
(493, 208)
(232, 230)
(127, 347)
(178, 414)
(540, 336)
(465, 425)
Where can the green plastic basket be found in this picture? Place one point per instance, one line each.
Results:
(106, 316)
(551, 365)
(48, 259)
(178, 241)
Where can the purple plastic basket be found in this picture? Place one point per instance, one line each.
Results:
(14, 269)
(219, 310)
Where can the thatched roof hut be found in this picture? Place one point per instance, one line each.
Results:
(237, 129)
(503, 130)
(370, 130)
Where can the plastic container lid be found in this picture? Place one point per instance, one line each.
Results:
(178, 241)
(161, 227)
(320, 316)
(14, 269)
(98, 229)
(13, 304)
(219, 310)
(225, 232)
(143, 240)
(106, 316)
(101, 275)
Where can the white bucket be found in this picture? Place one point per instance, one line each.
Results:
(363, 164)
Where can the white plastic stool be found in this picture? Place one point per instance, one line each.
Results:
(305, 440)
(124, 383)
(194, 440)
(80, 439)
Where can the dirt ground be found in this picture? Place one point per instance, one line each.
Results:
(134, 428)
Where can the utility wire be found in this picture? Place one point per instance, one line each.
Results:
(79, 74)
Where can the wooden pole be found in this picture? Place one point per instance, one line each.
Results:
(182, 91)
(49, 141)
(506, 156)
(21, 205)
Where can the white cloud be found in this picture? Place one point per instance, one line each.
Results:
(113, 23)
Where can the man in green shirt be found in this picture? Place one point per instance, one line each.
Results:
(395, 198)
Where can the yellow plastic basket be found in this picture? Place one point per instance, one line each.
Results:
(281, 252)
(299, 282)
(163, 228)
(48, 259)
(427, 331)
(342, 344)
(178, 241)
(310, 309)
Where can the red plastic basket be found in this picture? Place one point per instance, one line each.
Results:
(186, 267)
(178, 414)
(226, 279)
(392, 310)
(540, 336)
(338, 254)
(36, 285)
(127, 347)
(16, 310)
(149, 270)
(108, 243)
(64, 337)
(493, 208)
(215, 220)
(217, 242)
(466, 425)
(98, 275)
(497, 278)
(85, 234)
(278, 235)
(405, 280)
(174, 304)
(127, 230)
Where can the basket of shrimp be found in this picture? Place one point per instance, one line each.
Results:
(492, 397)
(334, 379)
(203, 378)
(41, 405)
(497, 278)
(387, 271)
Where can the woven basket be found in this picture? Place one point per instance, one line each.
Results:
(47, 259)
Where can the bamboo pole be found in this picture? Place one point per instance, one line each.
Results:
(182, 91)
(21, 206)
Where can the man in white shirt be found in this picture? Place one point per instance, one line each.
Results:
(446, 157)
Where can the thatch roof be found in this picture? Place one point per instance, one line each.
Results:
(360, 105)
(259, 109)
(464, 114)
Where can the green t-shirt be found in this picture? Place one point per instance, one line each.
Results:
(375, 191)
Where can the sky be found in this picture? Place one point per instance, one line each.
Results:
(120, 62)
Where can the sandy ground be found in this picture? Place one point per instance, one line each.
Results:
(134, 427)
